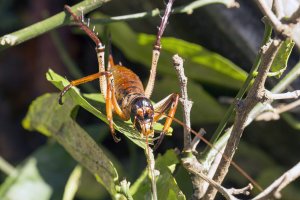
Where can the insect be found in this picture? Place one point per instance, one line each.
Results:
(123, 90)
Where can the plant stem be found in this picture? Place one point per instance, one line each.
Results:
(6, 167)
(188, 8)
(46, 25)
(242, 91)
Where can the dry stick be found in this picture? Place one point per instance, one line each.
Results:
(273, 191)
(288, 107)
(152, 172)
(294, 19)
(277, 7)
(256, 94)
(280, 28)
(187, 105)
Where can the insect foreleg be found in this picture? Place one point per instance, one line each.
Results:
(79, 82)
(169, 103)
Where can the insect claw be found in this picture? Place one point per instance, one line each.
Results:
(116, 139)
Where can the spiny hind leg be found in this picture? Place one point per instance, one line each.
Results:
(156, 49)
(169, 103)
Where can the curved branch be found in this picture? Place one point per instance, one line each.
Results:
(46, 25)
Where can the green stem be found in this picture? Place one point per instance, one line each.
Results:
(6, 167)
(46, 25)
(189, 8)
(242, 91)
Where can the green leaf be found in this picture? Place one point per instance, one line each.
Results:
(200, 64)
(167, 187)
(39, 177)
(56, 121)
(280, 62)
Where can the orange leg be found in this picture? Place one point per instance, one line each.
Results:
(111, 103)
(80, 81)
(110, 98)
(169, 103)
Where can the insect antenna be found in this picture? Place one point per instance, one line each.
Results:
(235, 165)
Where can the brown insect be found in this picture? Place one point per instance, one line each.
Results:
(123, 90)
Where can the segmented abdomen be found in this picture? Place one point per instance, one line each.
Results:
(127, 86)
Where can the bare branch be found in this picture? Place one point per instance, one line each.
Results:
(189, 164)
(245, 190)
(288, 107)
(280, 28)
(273, 191)
(277, 7)
(294, 19)
(288, 95)
(186, 103)
(151, 169)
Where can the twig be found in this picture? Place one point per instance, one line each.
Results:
(186, 103)
(280, 28)
(294, 19)
(288, 107)
(196, 140)
(256, 94)
(288, 95)
(46, 25)
(188, 8)
(273, 191)
(277, 7)
(189, 164)
(151, 169)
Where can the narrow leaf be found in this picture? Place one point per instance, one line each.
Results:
(280, 62)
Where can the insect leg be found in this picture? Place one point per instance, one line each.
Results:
(111, 103)
(169, 103)
(156, 49)
(80, 81)
(100, 48)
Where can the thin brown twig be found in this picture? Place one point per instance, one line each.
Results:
(189, 163)
(288, 95)
(273, 191)
(294, 19)
(186, 103)
(280, 28)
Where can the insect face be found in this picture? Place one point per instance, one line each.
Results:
(142, 113)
